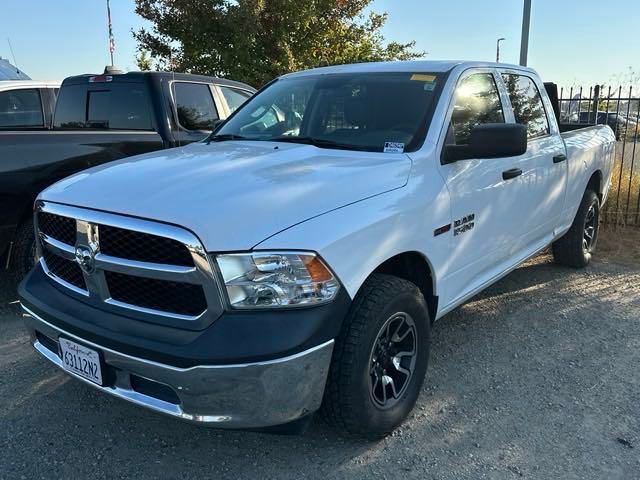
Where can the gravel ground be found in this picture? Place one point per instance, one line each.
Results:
(538, 377)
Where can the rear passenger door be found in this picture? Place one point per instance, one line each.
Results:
(543, 181)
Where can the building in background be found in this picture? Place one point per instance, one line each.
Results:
(9, 72)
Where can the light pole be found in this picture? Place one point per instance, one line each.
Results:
(501, 39)
(524, 42)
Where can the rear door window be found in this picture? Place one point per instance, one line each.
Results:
(526, 101)
(117, 106)
(234, 97)
(21, 109)
(195, 107)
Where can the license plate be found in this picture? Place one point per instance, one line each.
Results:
(81, 360)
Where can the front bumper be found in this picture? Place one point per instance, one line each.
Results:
(250, 395)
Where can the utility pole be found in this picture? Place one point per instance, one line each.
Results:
(524, 42)
(501, 39)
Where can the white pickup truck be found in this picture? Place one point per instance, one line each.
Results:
(297, 258)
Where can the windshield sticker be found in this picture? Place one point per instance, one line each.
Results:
(393, 147)
(423, 78)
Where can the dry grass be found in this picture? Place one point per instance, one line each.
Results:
(618, 245)
(625, 190)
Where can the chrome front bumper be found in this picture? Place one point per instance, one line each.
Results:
(249, 395)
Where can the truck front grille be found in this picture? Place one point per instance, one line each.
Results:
(166, 296)
(61, 228)
(67, 270)
(143, 247)
(147, 268)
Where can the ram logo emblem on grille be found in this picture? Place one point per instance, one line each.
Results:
(85, 258)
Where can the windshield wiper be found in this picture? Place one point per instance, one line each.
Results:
(225, 136)
(322, 143)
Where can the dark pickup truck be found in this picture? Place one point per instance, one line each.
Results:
(100, 118)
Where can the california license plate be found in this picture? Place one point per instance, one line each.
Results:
(81, 360)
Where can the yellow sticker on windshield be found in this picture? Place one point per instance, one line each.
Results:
(423, 78)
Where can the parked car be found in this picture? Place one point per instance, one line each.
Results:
(27, 104)
(616, 122)
(299, 256)
(98, 119)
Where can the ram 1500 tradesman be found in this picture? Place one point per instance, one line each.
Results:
(297, 257)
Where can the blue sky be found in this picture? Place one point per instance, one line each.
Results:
(572, 41)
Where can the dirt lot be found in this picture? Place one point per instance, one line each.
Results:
(536, 378)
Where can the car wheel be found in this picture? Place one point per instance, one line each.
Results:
(576, 247)
(380, 358)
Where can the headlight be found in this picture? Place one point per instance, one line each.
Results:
(276, 279)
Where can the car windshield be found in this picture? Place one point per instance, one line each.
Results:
(364, 111)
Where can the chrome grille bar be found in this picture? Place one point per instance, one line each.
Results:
(68, 252)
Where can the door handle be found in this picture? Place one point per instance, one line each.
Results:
(513, 173)
(559, 158)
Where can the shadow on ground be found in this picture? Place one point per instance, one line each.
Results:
(537, 378)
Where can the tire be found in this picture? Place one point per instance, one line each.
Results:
(352, 401)
(575, 248)
(23, 254)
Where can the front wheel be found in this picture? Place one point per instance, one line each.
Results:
(576, 247)
(380, 358)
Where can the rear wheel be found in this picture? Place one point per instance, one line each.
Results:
(380, 358)
(576, 247)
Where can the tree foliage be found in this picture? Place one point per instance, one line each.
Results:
(257, 40)
(143, 61)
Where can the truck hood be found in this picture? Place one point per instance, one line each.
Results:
(233, 194)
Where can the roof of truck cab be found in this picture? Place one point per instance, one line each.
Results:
(431, 66)
(18, 84)
(140, 76)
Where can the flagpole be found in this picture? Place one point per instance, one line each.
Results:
(111, 41)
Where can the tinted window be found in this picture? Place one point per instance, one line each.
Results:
(123, 106)
(98, 109)
(21, 108)
(526, 101)
(196, 110)
(234, 97)
(361, 111)
(476, 102)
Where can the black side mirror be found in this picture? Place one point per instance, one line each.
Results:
(490, 140)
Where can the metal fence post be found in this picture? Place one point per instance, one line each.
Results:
(596, 101)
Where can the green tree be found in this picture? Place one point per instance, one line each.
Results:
(257, 40)
(143, 61)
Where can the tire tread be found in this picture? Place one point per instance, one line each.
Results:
(567, 250)
(338, 406)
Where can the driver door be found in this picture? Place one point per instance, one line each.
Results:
(484, 202)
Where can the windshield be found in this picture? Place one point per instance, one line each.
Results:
(363, 111)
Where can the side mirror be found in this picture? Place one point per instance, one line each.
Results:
(490, 140)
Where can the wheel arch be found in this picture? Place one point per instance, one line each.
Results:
(595, 183)
(416, 268)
